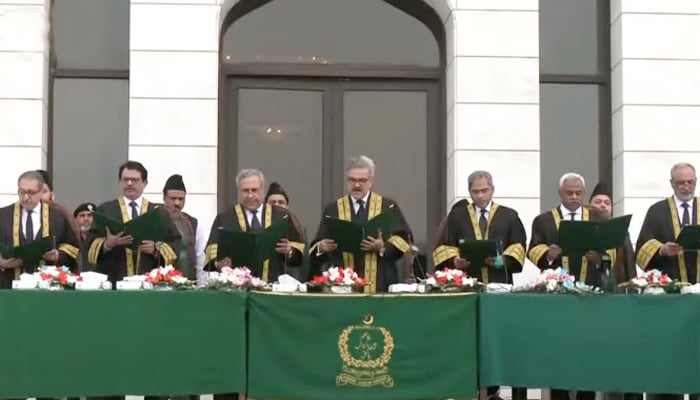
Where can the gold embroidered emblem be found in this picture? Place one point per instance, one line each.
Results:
(365, 351)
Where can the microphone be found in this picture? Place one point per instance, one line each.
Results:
(414, 249)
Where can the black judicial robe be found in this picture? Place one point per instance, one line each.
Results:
(503, 225)
(545, 232)
(235, 218)
(380, 272)
(53, 223)
(662, 224)
(123, 261)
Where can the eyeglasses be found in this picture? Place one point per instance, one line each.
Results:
(22, 192)
(689, 182)
(358, 180)
(131, 180)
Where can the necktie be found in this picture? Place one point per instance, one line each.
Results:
(686, 214)
(255, 222)
(134, 211)
(573, 216)
(29, 227)
(483, 223)
(360, 207)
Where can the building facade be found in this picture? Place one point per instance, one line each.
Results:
(431, 89)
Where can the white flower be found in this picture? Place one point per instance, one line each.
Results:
(552, 285)
(179, 279)
(640, 281)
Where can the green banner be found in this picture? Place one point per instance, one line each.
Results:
(362, 347)
(75, 343)
(612, 343)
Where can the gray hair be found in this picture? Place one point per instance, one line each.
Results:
(361, 162)
(680, 165)
(32, 176)
(569, 176)
(247, 173)
(480, 175)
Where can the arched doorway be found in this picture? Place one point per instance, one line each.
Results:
(306, 84)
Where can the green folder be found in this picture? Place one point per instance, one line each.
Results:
(31, 253)
(477, 251)
(152, 225)
(689, 238)
(579, 237)
(348, 235)
(251, 248)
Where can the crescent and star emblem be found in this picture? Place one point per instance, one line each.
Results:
(368, 319)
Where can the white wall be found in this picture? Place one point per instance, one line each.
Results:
(655, 61)
(173, 93)
(23, 90)
(493, 101)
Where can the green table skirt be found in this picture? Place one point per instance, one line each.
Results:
(71, 343)
(361, 347)
(604, 342)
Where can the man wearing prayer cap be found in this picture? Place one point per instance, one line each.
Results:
(192, 261)
(601, 198)
(82, 216)
(277, 196)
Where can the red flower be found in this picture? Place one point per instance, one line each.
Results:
(62, 278)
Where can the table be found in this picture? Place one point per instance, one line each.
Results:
(82, 343)
(621, 343)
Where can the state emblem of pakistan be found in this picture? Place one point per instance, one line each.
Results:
(365, 351)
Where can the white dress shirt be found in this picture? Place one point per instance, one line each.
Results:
(487, 208)
(356, 204)
(138, 202)
(566, 213)
(679, 207)
(249, 215)
(36, 220)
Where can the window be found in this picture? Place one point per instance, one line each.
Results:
(88, 133)
(576, 131)
(311, 83)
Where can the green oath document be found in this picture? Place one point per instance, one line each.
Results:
(476, 251)
(360, 347)
(251, 248)
(152, 225)
(580, 237)
(30, 253)
(348, 235)
(689, 238)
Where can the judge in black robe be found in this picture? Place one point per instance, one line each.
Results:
(662, 225)
(122, 260)
(467, 222)
(46, 221)
(378, 262)
(235, 218)
(504, 225)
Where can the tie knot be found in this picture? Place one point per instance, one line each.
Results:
(360, 202)
(133, 204)
(483, 211)
(28, 211)
(685, 205)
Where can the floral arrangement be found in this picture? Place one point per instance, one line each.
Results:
(451, 280)
(58, 277)
(234, 278)
(556, 281)
(652, 282)
(167, 276)
(338, 277)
